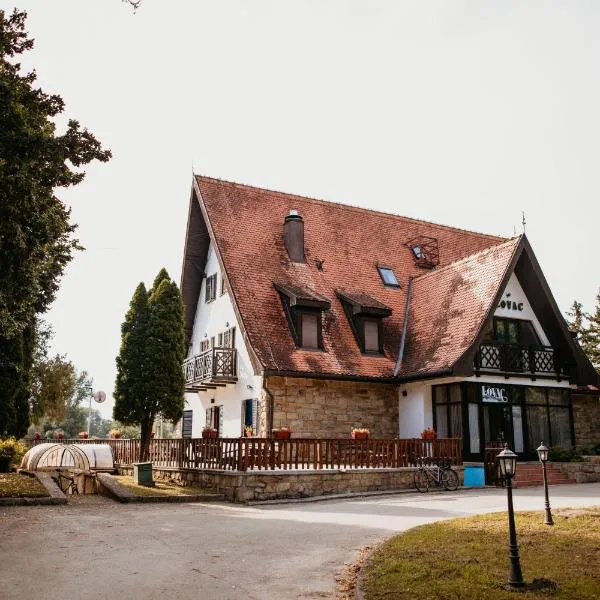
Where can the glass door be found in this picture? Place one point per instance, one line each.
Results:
(497, 424)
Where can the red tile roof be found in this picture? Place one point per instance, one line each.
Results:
(449, 306)
(247, 224)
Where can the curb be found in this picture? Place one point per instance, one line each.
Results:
(111, 487)
(56, 495)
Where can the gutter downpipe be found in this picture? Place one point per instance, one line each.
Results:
(404, 326)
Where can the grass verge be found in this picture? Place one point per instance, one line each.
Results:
(160, 488)
(13, 485)
(468, 559)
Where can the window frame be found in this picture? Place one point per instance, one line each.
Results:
(380, 269)
(294, 318)
(210, 292)
(361, 321)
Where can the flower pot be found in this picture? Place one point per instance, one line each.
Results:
(278, 434)
(209, 433)
(83, 435)
(36, 435)
(360, 435)
(428, 436)
(60, 436)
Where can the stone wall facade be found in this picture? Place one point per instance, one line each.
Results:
(587, 471)
(330, 408)
(271, 485)
(586, 419)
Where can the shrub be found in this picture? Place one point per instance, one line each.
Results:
(13, 450)
(559, 454)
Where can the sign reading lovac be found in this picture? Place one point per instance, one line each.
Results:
(493, 394)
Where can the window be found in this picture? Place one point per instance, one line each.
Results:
(214, 418)
(419, 252)
(548, 417)
(309, 330)
(365, 316)
(204, 345)
(303, 310)
(388, 276)
(447, 410)
(186, 426)
(249, 415)
(425, 251)
(229, 338)
(371, 336)
(223, 286)
(211, 288)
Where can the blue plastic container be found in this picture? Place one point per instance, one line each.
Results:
(474, 477)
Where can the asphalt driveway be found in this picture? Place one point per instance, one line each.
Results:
(97, 549)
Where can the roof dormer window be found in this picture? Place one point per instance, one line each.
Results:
(303, 310)
(365, 315)
(388, 276)
(425, 251)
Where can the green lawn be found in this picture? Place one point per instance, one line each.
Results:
(160, 488)
(468, 559)
(13, 485)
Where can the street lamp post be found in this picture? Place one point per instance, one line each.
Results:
(508, 467)
(543, 452)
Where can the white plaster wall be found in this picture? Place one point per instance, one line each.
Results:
(514, 293)
(210, 320)
(414, 409)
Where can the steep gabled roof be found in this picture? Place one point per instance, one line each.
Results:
(246, 224)
(343, 247)
(449, 306)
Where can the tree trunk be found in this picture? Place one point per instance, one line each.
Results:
(146, 428)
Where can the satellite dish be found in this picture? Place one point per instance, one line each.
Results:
(99, 396)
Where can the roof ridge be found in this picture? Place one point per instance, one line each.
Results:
(468, 257)
(354, 207)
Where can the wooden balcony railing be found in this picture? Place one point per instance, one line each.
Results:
(244, 454)
(216, 364)
(515, 358)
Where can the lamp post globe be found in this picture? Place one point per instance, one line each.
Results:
(543, 453)
(507, 461)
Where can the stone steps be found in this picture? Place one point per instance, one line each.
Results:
(530, 475)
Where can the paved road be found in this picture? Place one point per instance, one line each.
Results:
(99, 550)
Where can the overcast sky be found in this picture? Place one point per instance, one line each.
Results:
(462, 113)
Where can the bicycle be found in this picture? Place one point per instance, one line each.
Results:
(441, 473)
(66, 483)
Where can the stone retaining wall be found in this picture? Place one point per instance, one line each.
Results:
(271, 485)
(586, 419)
(330, 408)
(587, 471)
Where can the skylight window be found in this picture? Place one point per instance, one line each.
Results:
(388, 276)
(419, 252)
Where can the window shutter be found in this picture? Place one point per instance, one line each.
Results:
(186, 429)
(254, 415)
(220, 428)
(207, 422)
(232, 337)
(221, 340)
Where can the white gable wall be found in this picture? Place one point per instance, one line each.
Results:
(210, 320)
(514, 305)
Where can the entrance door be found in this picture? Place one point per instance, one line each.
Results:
(497, 424)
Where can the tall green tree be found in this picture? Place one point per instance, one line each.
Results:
(591, 338)
(36, 235)
(150, 380)
(575, 320)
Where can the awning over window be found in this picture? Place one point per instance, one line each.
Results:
(302, 297)
(363, 304)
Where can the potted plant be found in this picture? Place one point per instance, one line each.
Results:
(209, 432)
(360, 433)
(429, 434)
(37, 435)
(83, 435)
(248, 431)
(114, 433)
(281, 433)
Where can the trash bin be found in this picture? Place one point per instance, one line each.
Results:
(474, 476)
(142, 473)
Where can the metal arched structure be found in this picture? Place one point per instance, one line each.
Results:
(84, 457)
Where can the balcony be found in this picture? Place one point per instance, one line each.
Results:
(515, 359)
(214, 368)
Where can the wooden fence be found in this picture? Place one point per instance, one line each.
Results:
(243, 454)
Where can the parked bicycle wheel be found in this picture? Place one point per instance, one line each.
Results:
(421, 480)
(449, 480)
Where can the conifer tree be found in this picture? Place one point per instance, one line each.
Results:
(591, 337)
(150, 379)
(575, 320)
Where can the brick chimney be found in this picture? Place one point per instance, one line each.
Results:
(293, 235)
